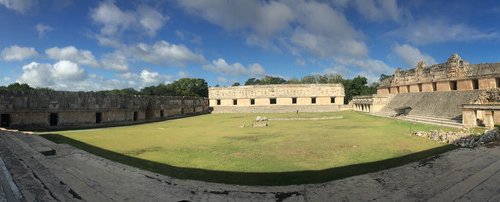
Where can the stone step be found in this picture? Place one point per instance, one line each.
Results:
(424, 119)
(434, 122)
(434, 118)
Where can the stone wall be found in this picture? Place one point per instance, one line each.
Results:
(454, 74)
(64, 110)
(277, 98)
(277, 109)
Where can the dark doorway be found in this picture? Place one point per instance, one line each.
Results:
(252, 101)
(272, 101)
(98, 117)
(5, 120)
(453, 85)
(313, 100)
(182, 110)
(161, 113)
(419, 87)
(135, 116)
(332, 99)
(294, 100)
(475, 84)
(53, 119)
(434, 86)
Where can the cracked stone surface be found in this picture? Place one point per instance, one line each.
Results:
(74, 175)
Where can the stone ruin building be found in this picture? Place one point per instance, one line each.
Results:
(443, 93)
(277, 98)
(68, 110)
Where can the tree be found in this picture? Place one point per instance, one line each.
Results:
(190, 87)
(271, 80)
(252, 81)
(236, 84)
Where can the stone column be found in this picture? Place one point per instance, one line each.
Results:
(488, 120)
(469, 118)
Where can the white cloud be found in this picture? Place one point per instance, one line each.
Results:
(67, 70)
(367, 67)
(17, 53)
(150, 19)
(429, 31)
(263, 17)
(297, 25)
(164, 53)
(83, 57)
(18, 5)
(235, 69)
(65, 75)
(115, 20)
(115, 61)
(145, 78)
(378, 10)
(42, 29)
(58, 76)
(411, 55)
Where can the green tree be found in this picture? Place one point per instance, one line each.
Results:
(252, 81)
(191, 87)
(271, 80)
(236, 84)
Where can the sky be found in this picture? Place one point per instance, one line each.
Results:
(98, 45)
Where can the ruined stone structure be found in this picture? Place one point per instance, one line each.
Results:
(66, 110)
(438, 90)
(454, 74)
(484, 111)
(277, 98)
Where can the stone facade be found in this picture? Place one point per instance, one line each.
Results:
(66, 110)
(277, 98)
(438, 90)
(454, 74)
(483, 111)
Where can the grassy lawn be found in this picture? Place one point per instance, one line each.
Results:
(215, 148)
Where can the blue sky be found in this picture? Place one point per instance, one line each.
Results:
(96, 45)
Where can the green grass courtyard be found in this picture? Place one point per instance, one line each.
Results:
(216, 148)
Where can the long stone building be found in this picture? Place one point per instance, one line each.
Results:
(68, 110)
(443, 90)
(277, 98)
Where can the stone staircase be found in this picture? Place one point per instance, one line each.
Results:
(441, 121)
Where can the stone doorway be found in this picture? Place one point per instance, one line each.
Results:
(5, 120)
(53, 119)
(98, 117)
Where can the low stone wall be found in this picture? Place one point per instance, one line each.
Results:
(461, 138)
(56, 110)
(276, 109)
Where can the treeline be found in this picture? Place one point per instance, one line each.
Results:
(183, 87)
(353, 87)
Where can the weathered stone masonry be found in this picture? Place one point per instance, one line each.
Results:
(66, 110)
(277, 98)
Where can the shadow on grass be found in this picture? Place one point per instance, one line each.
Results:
(249, 178)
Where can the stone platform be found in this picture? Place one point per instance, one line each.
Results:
(73, 175)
